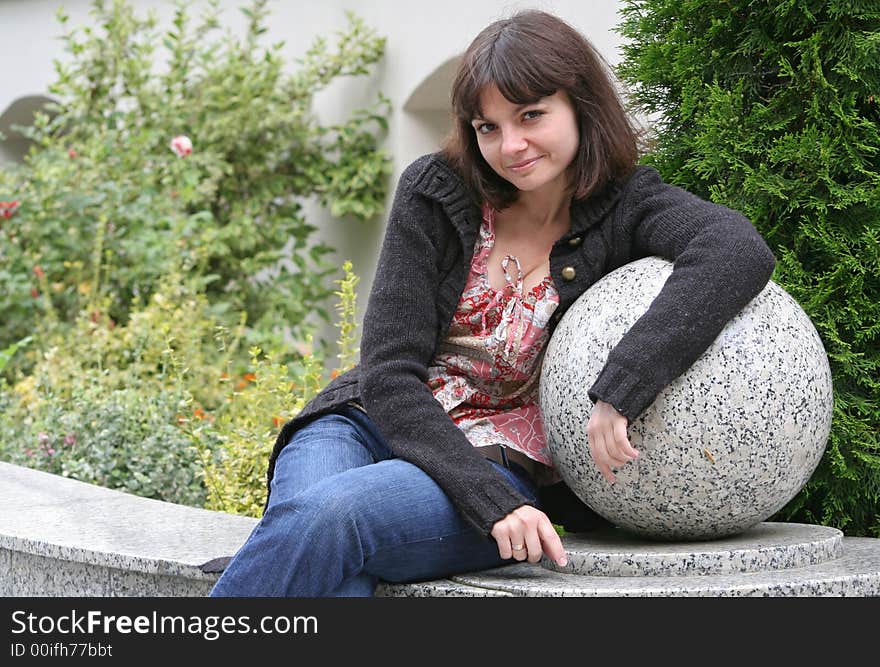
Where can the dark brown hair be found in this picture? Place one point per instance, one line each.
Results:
(530, 56)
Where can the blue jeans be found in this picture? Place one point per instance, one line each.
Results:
(344, 513)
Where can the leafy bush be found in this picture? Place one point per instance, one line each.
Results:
(235, 446)
(773, 109)
(123, 439)
(156, 407)
(139, 255)
(105, 403)
(106, 204)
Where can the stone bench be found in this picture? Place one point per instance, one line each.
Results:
(61, 537)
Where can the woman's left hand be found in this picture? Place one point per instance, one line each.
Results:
(609, 443)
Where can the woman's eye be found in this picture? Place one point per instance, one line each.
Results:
(485, 128)
(531, 115)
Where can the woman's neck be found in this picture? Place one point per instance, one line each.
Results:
(542, 209)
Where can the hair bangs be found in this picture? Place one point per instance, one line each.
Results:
(517, 78)
(521, 79)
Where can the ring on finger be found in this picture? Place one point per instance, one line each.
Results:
(518, 547)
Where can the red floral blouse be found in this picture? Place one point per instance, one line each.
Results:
(485, 373)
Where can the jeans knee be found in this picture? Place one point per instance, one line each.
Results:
(348, 424)
(329, 512)
(329, 425)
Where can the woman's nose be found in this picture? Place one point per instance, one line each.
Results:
(513, 141)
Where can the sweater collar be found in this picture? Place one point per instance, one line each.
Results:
(441, 184)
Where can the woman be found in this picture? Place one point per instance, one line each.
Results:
(428, 458)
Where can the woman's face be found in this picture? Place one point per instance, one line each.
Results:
(530, 145)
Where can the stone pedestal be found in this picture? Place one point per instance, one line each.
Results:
(768, 560)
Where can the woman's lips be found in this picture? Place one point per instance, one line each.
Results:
(522, 166)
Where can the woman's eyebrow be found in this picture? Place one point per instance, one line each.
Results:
(517, 109)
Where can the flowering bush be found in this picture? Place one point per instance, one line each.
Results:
(104, 403)
(150, 339)
(209, 161)
(159, 406)
(123, 439)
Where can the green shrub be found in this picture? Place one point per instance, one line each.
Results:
(161, 406)
(124, 439)
(106, 207)
(104, 403)
(774, 109)
(236, 442)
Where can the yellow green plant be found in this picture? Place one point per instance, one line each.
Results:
(104, 403)
(235, 443)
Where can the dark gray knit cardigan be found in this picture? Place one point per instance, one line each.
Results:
(721, 263)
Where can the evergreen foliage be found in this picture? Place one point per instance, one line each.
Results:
(773, 109)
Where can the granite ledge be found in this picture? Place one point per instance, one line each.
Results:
(765, 546)
(44, 516)
(43, 520)
(856, 573)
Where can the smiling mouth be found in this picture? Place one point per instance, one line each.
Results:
(524, 165)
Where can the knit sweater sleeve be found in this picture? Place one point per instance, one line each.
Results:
(720, 264)
(399, 335)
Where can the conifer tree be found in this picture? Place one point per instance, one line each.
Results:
(773, 109)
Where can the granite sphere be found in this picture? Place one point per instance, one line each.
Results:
(725, 445)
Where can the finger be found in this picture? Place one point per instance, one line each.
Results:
(551, 543)
(607, 473)
(621, 438)
(516, 538)
(600, 455)
(616, 460)
(501, 534)
(613, 456)
(596, 438)
(520, 548)
(533, 544)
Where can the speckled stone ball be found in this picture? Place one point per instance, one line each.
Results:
(725, 445)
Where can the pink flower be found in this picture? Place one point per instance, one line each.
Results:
(70, 439)
(45, 444)
(38, 272)
(71, 153)
(181, 145)
(8, 208)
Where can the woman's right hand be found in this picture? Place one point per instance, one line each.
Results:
(525, 534)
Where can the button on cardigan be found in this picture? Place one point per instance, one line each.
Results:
(720, 264)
